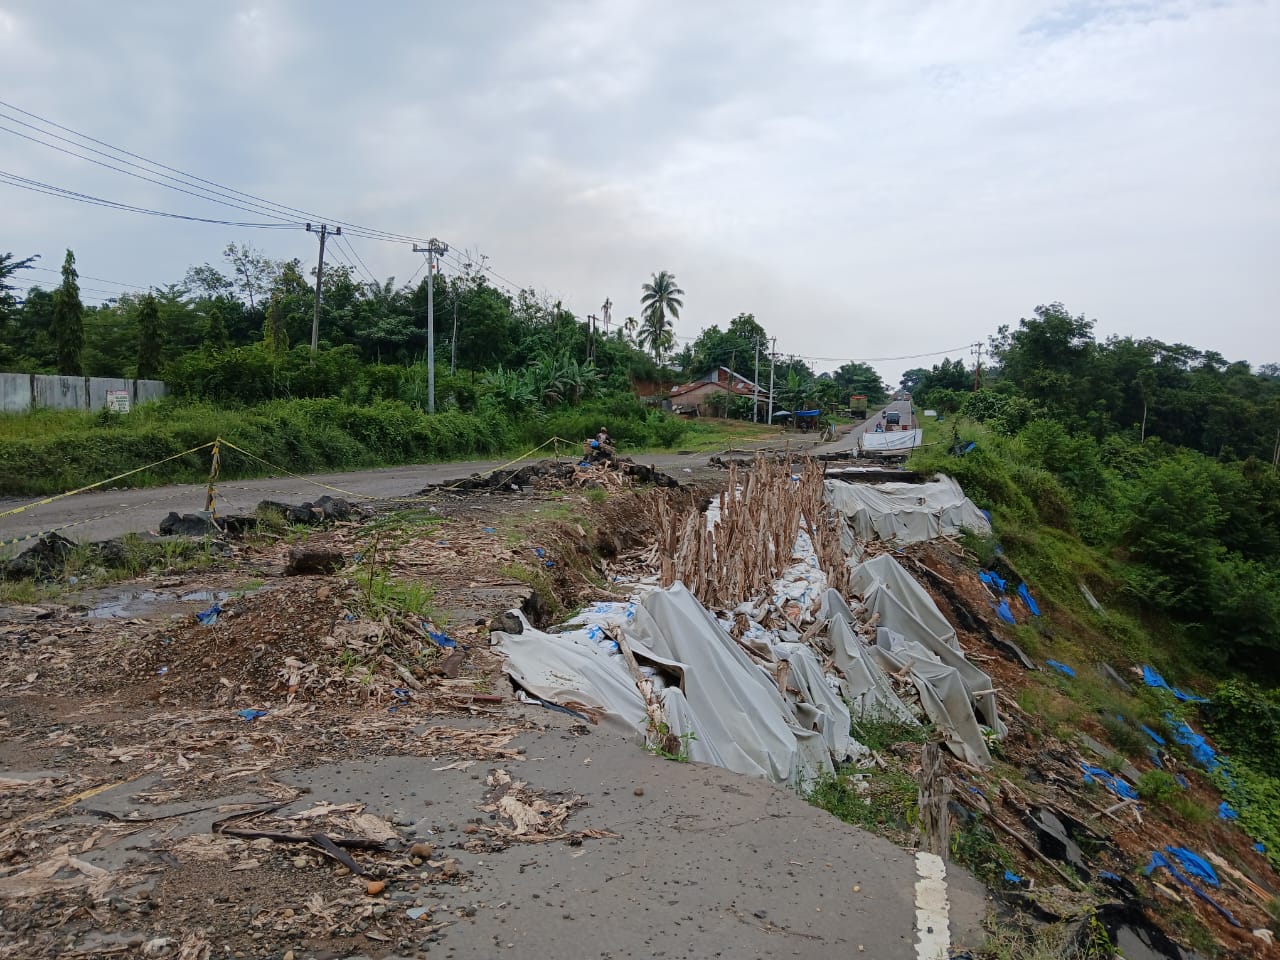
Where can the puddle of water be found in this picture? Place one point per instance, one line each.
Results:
(134, 603)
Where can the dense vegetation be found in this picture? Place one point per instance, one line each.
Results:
(1155, 455)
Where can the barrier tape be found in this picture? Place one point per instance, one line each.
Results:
(359, 496)
(92, 486)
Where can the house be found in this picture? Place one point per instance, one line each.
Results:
(704, 397)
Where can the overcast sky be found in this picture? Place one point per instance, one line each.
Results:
(871, 179)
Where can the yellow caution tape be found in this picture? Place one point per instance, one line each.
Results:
(92, 486)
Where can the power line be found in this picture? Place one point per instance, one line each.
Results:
(230, 197)
(372, 232)
(347, 240)
(255, 208)
(85, 276)
(37, 186)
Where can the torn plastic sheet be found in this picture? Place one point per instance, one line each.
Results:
(1061, 668)
(1153, 679)
(1159, 860)
(207, 618)
(1152, 734)
(991, 579)
(1025, 594)
(1227, 812)
(1117, 785)
(1004, 613)
(1201, 752)
(903, 512)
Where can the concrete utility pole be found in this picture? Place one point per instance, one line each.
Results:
(773, 361)
(315, 320)
(755, 407)
(606, 314)
(433, 249)
(453, 343)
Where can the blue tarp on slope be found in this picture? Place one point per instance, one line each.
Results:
(1153, 679)
(1025, 594)
(1201, 752)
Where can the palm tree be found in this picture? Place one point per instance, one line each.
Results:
(658, 298)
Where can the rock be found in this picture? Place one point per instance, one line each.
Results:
(423, 851)
(534, 607)
(450, 666)
(188, 525)
(450, 868)
(312, 561)
(157, 947)
(375, 887)
(506, 623)
(43, 559)
(638, 791)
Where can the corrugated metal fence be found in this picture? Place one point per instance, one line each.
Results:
(19, 392)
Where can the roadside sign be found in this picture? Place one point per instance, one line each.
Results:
(118, 401)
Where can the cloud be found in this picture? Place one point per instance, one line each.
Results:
(870, 180)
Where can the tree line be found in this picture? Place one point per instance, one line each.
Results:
(252, 315)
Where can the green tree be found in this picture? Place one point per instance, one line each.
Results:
(68, 321)
(275, 335)
(150, 338)
(216, 334)
(658, 298)
(861, 378)
(13, 343)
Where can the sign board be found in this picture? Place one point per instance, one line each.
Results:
(118, 401)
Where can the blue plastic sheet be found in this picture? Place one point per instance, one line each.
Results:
(992, 579)
(1004, 613)
(1160, 860)
(1152, 734)
(249, 714)
(1117, 785)
(1109, 876)
(1201, 752)
(1025, 594)
(1183, 782)
(1227, 812)
(444, 641)
(207, 618)
(1011, 877)
(1153, 679)
(1154, 756)
(1061, 667)
(1260, 847)
(1193, 864)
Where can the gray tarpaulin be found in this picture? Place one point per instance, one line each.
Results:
(887, 589)
(915, 634)
(737, 714)
(944, 694)
(738, 717)
(867, 688)
(904, 512)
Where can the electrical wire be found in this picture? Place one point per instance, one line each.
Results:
(254, 208)
(37, 186)
(356, 253)
(85, 276)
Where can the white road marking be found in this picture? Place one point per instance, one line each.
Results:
(933, 925)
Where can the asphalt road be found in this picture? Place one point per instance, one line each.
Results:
(101, 514)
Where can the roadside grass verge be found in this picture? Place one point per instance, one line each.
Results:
(50, 451)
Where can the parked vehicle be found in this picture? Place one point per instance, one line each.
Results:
(858, 406)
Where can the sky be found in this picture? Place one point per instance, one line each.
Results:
(875, 179)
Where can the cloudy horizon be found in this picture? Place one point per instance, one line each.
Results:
(878, 180)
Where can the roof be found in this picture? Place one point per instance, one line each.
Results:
(725, 379)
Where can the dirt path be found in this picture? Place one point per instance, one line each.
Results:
(124, 748)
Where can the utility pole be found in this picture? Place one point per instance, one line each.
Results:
(453, 343)
(591, 337)
(755, 407)
(773, 362)
(977, 370)
(315, 320)
(433, 249)
(606, 313)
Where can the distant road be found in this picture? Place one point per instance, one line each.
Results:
(99, 515)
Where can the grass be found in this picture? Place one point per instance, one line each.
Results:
(877, 734)
(883, 801)
(385, 595)
(973, 845)
(1043, 942)
(707, 434)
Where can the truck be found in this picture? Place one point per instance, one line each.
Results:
(858, 406)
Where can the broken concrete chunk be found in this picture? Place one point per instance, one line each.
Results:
(313, 561)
